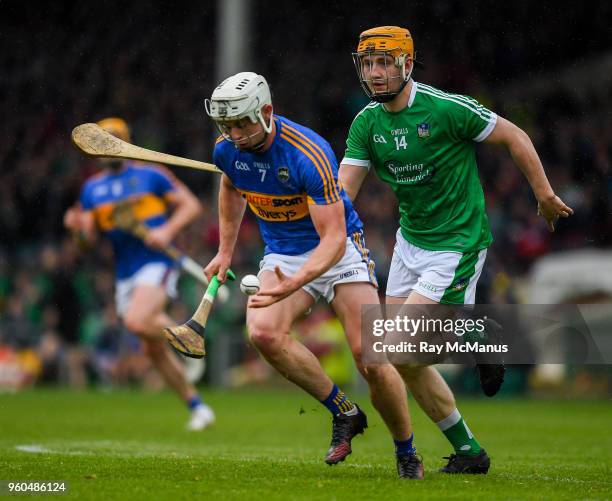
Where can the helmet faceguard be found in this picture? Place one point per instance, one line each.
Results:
(386, 41)
(240, 96)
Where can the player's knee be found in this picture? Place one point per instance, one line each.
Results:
(134, 323)
(264, 336)
(373, 373)
(410, 372)
(137, 323)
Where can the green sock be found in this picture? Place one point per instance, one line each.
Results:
(459, 435)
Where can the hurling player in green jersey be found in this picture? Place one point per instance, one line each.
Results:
(421, 141)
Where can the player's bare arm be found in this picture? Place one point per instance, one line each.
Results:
(351, 178)
(186, 208)
(330, 224)
(550, 206)
(231, 211)
(81, 224)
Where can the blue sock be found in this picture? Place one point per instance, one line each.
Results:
(194, 402)
(404, 447)
(337, 402)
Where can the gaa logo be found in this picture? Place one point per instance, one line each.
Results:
(241, 166)
(379, 138)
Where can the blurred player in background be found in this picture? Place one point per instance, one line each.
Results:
(314, 247)
(146, 277)
(421, 141)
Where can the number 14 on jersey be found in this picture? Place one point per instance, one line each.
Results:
(400, 142)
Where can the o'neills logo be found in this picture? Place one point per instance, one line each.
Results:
(277, 208)
(410, 173)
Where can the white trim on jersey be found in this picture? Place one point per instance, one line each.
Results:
(487, 130)
(356, 162)
(467, 100)
(468, 103)
(460, 102)
(413, 92)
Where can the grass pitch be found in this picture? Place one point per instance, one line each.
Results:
(270, 445)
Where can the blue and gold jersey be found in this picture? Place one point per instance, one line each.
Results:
(143, 188)
(298, 169)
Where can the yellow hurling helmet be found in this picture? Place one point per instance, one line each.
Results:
(117, 127)
(389, 40)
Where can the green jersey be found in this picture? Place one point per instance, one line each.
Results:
(426, 152)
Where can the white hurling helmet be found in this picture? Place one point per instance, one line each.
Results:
(239, 96)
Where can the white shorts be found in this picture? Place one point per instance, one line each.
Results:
(150, 274)
(442, 276)
(355, 266)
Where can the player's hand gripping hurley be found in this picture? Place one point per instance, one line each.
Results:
(124, 219)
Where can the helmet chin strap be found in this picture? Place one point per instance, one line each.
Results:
(259, 146)
(267, 129)
(256, 147)
(389, 96)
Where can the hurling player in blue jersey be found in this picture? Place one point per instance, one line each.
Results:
(145, 276)
(314, 247)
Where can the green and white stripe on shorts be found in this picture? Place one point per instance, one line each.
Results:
(448, 277)
(462, 290)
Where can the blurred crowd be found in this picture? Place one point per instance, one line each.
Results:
(155, 65)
